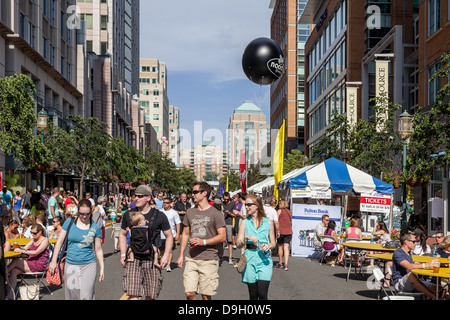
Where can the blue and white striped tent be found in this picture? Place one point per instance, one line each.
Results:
(338, 176)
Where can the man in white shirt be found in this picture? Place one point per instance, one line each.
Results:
(174, 221)
(271, 213)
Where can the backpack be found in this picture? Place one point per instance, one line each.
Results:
(141, 238)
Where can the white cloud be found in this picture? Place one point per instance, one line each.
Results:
(207, 36)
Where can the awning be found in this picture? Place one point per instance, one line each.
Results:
(338, 176)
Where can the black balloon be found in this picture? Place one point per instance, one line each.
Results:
(263, 61)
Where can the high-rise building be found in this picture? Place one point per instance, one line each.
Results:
(356, 50)
(303, 32)
(112, 39)
(283, 92)
(247, 129)
(36, 41)
(208, 161)
(174, 138)
(153, 96)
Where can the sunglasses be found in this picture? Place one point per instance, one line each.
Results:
(167, 202)
(250, 204)
(414, 241)
(140, 196)
(34, 233)
(84, 214)
(197, 191)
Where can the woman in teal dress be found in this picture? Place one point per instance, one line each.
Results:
(257, 234)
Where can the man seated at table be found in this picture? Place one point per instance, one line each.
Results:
(404, 279)
(320, 229)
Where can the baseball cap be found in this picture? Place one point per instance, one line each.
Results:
(144, 189)
(101, 199)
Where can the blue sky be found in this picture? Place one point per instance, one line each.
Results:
(202, 42)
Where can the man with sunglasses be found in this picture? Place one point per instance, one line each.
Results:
(204, 228)
(404, 279)
(140, 270)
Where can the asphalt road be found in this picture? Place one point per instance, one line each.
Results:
(305, 280)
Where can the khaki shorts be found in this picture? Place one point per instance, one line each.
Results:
(201, 276)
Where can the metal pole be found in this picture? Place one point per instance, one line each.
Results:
(404, 189)
(42, 172)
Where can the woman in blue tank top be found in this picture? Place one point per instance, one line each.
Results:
(257, 234)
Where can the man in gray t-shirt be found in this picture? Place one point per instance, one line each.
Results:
(204, 229)
(320, 230)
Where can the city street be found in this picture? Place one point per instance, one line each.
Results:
(305, 280)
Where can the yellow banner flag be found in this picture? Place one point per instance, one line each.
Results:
(278, 158)
(226, 189)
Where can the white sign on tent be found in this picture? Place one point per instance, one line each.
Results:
(305, 218)
(313, 194)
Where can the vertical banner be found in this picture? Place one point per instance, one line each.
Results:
(352, 105)
(278, 158)
(305, 218)
(381, 89)
(243, 170)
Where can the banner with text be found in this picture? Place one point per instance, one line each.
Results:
(378, 203)
(308, 193)
(305, 218)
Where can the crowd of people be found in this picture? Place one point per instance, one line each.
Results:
(203, 225)
(147, 227)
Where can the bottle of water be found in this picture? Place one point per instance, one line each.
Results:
(371, 239)
(435, 253)
(260, 247)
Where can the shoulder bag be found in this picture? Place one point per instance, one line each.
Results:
(58, 277)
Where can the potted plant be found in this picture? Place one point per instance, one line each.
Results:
(396, 178)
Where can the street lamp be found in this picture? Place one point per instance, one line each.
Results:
(405, 131)
(42, 122)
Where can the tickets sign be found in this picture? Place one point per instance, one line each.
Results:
(375, 203)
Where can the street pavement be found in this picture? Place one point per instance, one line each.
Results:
(305, 280)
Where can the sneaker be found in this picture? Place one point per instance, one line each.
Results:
(230, 260)
(286, 268)
(168, 269)
(279, 265)
(234, 247)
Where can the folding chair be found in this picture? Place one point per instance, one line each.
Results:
(326, 253)
(38, 277)
(379, 276)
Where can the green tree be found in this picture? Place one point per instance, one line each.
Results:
(369, 145)
(294, 160)
(234, 182)
(431, 127)
(185, 178)
(18, 119)
(90, 145)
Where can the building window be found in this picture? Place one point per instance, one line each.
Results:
(103, 22)
(434, 85)
(156, 104)
(145, 68)
(88, 19)
(156, 117)
(434, 16)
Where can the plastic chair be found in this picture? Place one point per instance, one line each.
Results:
(326, 252)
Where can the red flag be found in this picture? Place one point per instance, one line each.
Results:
(243, 170)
